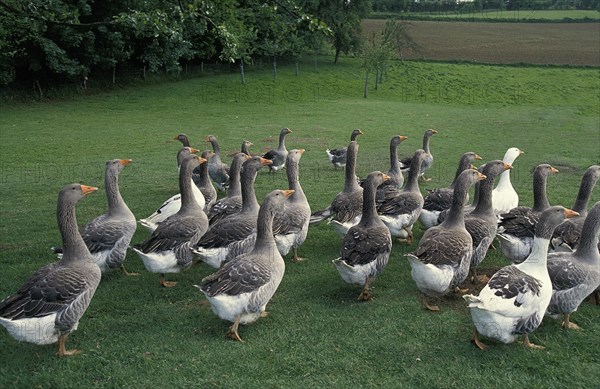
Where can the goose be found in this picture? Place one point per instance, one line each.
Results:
(514, 300)
(240, 290)
(439, 200)
(441, 261)
(575, 275)
(108, 236)
(482, 223)
(346, 208)
(338, 156)
(246, 148)
(566, 235)
(406, 162)
(168, 248)
(172, 205)
(183, 138)
(49, 305)
(390, 187)
(504, 196)
(278, 156)
(218, 171)
(290, 225)
(230, 233)
(400, 212)
(366, 247)
(233, 202)
(516, 227)
(204, 182)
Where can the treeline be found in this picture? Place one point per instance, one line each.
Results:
(397, 6)
(49, 42)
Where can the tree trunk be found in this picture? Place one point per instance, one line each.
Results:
(337, 55)
(297, 69)
(315, 61)
(144, 72)
(274, 68)
(114, 74)
(366, 84)
(242, 71)
(202, 67)
(377, 72)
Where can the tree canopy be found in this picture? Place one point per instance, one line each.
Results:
(56, 41)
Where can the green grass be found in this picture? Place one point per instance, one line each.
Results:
(523, 15)
(137, 334)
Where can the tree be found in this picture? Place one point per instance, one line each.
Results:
(343, 17)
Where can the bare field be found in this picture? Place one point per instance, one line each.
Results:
(503, 43)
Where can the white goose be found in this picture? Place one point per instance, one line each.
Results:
(504, 196)
(515, 299)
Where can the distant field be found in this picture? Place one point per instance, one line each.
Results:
(523, 15)
(503, 43)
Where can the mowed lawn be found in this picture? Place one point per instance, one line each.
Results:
(137, 334)
(507, 43)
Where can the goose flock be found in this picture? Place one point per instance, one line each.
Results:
(553, 251)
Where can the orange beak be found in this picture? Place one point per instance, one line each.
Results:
(553, 170)
(201, 160)
(125, 162)
(521, 151)
(193, 150)
(570, 213)
(301, 151)
(386, 177)
(88, 189)
(264, 161)
(477, 157)
(287, 193)
(434, 132)
(507, 166)
(481, 176)
(403, 138)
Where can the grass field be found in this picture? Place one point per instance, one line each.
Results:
(507, 43)
(517, 15)
(137, 334)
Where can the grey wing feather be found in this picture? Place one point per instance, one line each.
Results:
(236, 277)
(347, 206)
(362, 246)
(103, 233)
(172, 233)
(443, 247)
(405, 202)
(228, 230)
(49, 290)
(438, 199)
(224, 208)
(565, 273)
(520, 221)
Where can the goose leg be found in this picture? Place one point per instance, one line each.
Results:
(527, 343)
(165, 283)
(124, 271)
(433, 308)
(296, 258)
(568, 324)
(232, 331)
(476, 341)
(62, 351)
(365, 295)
